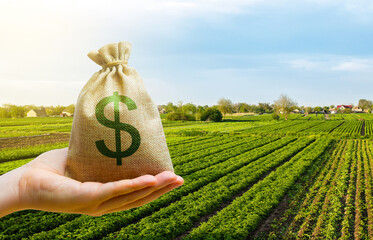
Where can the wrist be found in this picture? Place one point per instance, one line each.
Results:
(9, 194)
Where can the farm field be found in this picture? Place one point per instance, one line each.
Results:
(248, 177)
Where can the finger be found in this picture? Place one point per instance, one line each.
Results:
(164, 179)
(113, 189)
(153, 196)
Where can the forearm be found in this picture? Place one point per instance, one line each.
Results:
(9, 196)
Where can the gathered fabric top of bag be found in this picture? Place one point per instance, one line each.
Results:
(112, 54)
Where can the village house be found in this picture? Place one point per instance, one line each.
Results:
(36, 113)
(161, 110)
(333, 110)
(68, 111)
(343, 107)
(66, 114)
(356, 109)
(295, 111)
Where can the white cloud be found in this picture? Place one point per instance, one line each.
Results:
(356, 65)
(361, 10)
(326, 62)
(44, 43)
(303, 64)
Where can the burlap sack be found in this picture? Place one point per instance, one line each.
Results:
(117, 132)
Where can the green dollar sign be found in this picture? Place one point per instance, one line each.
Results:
(118, 126)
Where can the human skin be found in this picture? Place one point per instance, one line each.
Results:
(41, 185)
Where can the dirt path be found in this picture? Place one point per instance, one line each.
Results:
(34, 140)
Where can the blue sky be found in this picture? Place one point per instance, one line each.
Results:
(319, 52)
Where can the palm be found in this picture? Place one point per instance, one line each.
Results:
(43, 186)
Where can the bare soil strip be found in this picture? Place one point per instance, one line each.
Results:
(33, 140)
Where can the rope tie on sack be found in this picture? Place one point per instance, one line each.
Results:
(110, 64)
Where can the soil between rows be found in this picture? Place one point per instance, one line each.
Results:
(21, 142)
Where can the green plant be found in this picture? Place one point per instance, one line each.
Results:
(275, 116)
(177, 116)
(212, 114)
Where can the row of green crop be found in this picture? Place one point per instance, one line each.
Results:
(352, 128)
(315, 197)
(330, 217)
(368, 158)
(196, 163)
(213, 128)
(179, 217)
(351, 116)
(276, 225)
(34, 121)
(224, 149)
(31, 130)
(347, 224)
(203, 142)
(90, 227)
(167, 123)
(325, 127)
(242, 216)
(10, 154)
(180, 141)
(339, 205)
(360, 220)
(300, 127)
(273, 127)
(369, 127)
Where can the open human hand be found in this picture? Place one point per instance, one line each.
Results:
(41, 185)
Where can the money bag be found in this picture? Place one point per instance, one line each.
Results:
(117, 132)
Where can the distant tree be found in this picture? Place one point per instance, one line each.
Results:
(179, 106)
(176, 116)
(4, 112)
(212, 114)
(170, 107)
(55, 110)
(225, 106)
(240, 107)
(318, 109)
(200, 109)
(365, 104)
(332, 106)
(347, 110)
(284, 105)
(236, 107)
(70, 109)
(264, 108)
(17, 111)
(308, 110)
(189, 108)
(253, 108)
(326, 109)
(244, 108)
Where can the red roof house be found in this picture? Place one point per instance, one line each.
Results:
(344, 106)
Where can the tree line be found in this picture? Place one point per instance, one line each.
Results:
(189, 111)
(283, 105)
(20, 111)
